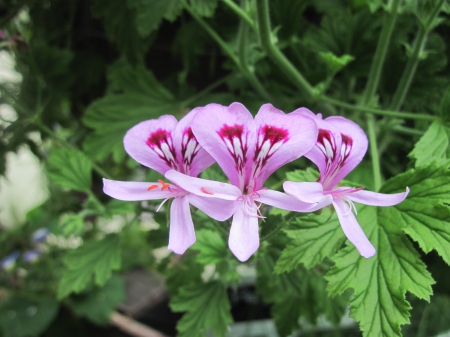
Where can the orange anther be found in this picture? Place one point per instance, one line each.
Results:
(204, 190)
(164, 185)
(152, 187)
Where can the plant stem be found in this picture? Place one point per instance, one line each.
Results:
(381, 112)
(241, 13)
(213, 34)
(205, 91)
(372, 85)
(242, 53)
(275, 54)
(242, 66)
(411, 66)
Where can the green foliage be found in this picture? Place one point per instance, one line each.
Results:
(22, 316)
(97, 304)
(95, 258)
(433, 145)
(425, 214)
(204, 7)
(297, 293)
(206, 306)
(335, 63)
(71, 169)
(444, 107)
(309, 175)
(212, 248)
(312, 239)
(143, 98)
(380, 283)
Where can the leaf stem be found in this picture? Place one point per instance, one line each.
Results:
(372, 85)
(275, 54)
(381, 112)
(242, 53)
(226, 48)
(242, 14)
(411, 66)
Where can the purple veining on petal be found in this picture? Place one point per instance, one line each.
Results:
(189, 149)
(234, 139)
(327, 145)
(270, 138)
(161, 143)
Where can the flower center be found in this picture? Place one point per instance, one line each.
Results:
(250, 206)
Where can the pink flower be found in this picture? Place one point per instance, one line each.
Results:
(340, 147)
(165, 144)
(248, 151)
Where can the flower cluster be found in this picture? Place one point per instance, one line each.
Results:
(248, 150)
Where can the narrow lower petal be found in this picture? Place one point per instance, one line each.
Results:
(135, 191)
(244, 233)
(352, 229)
(377, 199)
(285, 201)
(218, 209)
(203, 187)
(306, 192)
(181, 230)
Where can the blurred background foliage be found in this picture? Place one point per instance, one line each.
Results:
(91, 69)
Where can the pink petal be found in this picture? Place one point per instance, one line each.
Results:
(306, 192)
(280, 139)
(244, 233)
(284, 201)
(218, 209)
(204, 188)
(377, 199)
(192, 158)
(134, 191)
(324, 153)
(151, 143)
(181, 230)
(352, 229)
(224, 132)
(354, 141)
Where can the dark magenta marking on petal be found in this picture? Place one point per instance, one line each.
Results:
(238, 150)
(189, 148)
(268, 137)
(156, 142)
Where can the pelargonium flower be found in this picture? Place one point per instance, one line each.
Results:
(340, 147)
(165, 144)
(248, 151)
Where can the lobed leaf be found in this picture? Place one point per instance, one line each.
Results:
(212, 248)
(96, 258)
(206, 306)
(70, 168)
(433, 145)
(381, 282)
(312, 240)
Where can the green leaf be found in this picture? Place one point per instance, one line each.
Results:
(72, 224)
(308, 175)
(206, 306)
(149, 13)
(297, 293)
(98, 304)
(97, 258)
(380, 283)
(433, 145)
(425, 215)
(212, 248)
(117, 19)
(113, 115)
(444, 107)
(21, 316)
(204, 7)
(70, 168)
(313, 238)
(335, 63)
